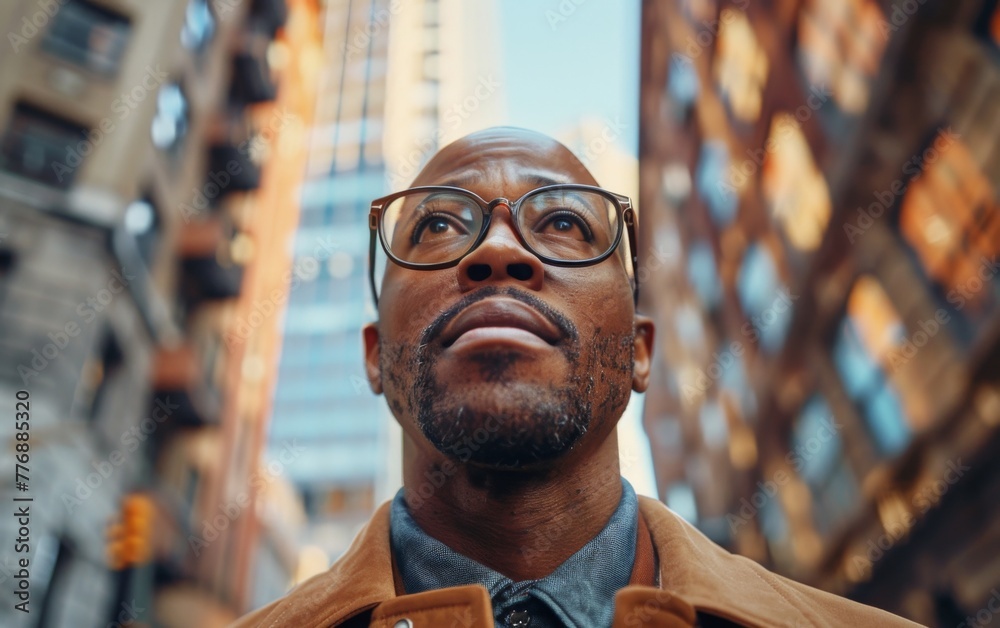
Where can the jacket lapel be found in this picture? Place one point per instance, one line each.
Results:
(362, 579)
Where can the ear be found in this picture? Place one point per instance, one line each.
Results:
(645, 333)
(372, 368)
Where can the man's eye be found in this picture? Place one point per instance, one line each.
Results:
(436, 226)
(566, 224)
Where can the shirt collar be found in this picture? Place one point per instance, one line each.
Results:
(580, 592)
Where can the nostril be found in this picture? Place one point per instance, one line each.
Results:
(521, 272)
(479, 272)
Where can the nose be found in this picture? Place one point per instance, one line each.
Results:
(500, 258)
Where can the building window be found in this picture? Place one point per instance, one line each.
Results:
(817, 454)
(868, 338)
(736, 389)
(199, 26)
(713, 423)
(142, 222)
(703, 274)
(172, 120)
(89, 36)
(740, 65)
(766, 301)
(840, 46)
(794, 189)
(950, 219)
(713, 183)
(43, 147)
(683, 86)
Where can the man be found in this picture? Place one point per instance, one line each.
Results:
(507, 345)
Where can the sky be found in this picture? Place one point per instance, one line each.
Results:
(563, 61)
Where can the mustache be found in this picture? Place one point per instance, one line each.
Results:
(433, 331)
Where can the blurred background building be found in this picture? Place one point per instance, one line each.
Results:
(819, 195)
(184, 189)
(140, 255)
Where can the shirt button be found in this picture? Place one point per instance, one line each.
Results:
(518, 619)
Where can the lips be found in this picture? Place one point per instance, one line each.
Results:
(501, 312)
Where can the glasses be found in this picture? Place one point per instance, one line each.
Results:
(434, 227)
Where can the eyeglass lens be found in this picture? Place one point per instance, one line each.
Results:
(430, 227)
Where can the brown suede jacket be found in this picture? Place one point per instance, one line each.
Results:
(699, 584)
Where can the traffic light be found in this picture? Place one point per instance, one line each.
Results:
(129, 539)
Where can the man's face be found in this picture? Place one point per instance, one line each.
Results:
(504, 361)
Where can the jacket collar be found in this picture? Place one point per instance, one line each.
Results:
(691, 567)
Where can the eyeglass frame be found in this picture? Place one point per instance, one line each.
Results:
(622, 203)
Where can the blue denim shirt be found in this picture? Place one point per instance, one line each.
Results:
(579, 593)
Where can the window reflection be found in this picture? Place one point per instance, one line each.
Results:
(142, 222)
(703, 274)
(43, 147)
(170, 125)
(841, 45)
(794, 189)
(741, 65)
(712, 181)
(89, 36)
(736, 385)
(818, 456)
(765, 299)
(199, 25)
(949, 217)
(866, 345)
(683, 85)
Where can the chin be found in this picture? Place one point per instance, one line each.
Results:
(518, 437)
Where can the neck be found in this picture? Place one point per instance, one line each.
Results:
(520, 524)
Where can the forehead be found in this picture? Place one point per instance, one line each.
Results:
(490, 160)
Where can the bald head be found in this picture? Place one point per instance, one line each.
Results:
(507, 148)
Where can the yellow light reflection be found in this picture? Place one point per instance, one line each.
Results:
(795, 190)
(841, 44)
(741, 65)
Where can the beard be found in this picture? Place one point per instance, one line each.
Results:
(504, 420)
